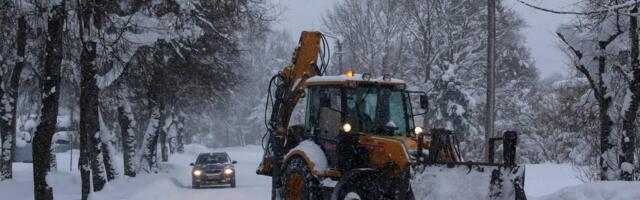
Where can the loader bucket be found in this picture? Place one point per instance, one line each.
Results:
(441, 175)
(468, 181)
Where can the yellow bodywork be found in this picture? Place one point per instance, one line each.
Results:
(383, 150)
(303, 66)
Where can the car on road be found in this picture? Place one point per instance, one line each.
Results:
(212, 169)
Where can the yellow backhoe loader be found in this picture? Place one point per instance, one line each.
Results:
(359, 140)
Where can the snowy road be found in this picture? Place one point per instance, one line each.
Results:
(174, 181)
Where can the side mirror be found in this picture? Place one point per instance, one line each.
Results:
(424, 102)
(234, 162)
(191, 164)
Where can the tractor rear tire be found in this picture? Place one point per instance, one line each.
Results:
(299, 182)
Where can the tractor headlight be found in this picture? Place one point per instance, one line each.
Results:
(228, 171)
(418, 130)
(346, 127)
(197, 172)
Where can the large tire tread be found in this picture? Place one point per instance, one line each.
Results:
(299, 166)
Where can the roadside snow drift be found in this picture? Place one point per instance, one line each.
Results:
(466, 182)
(612, 190)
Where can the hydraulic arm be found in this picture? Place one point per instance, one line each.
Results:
(287, 93)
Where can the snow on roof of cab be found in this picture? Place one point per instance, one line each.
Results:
(355, 77)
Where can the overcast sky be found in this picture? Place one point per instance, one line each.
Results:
(299, 15)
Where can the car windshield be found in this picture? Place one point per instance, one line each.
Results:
(377, 110)
(212, 159)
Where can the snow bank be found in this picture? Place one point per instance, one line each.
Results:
(544, 179)
(613, 190)
(463, 182)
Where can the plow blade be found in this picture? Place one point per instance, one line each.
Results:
(455, 181)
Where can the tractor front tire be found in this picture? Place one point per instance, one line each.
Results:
(299, 182)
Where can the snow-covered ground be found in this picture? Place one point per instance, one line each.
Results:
(543, 181)
(173, 182)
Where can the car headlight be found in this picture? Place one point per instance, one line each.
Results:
(197, 172)
(228, 171)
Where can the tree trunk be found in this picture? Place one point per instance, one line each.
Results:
(92, 112)
(109, 163)
(6, 139)
(180, 134)
(21, 43)
(162, 132)
(607, 147)
(630, 115)
(53, 163)
(108, 150)
(491, 81)
(88, 115)
(50, 87)
(150, 142)
(127, 125)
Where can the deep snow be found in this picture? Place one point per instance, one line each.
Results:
(543, 181)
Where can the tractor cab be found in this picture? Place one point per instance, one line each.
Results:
(345, 111)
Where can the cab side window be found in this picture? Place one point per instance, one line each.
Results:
(324, 112)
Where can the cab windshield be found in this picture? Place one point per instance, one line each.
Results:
(372, 110)
(377, 110)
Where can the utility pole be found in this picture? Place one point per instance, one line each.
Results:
(491, 81)
(340, 66)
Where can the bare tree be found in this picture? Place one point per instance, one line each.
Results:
(50, 81)
(373, 33)
(629, 134)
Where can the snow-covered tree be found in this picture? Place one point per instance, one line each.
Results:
(373, 34)
(604, 49)
(439, 47)
(12, 61)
